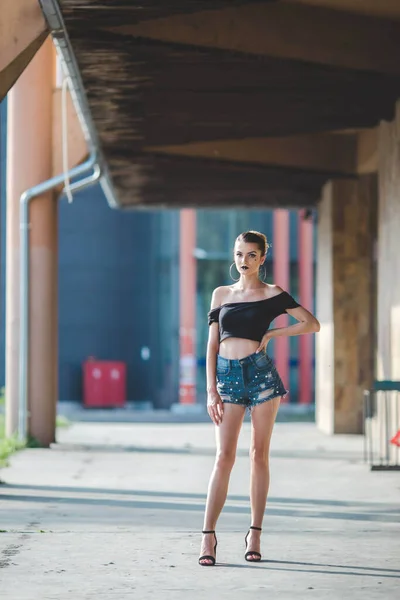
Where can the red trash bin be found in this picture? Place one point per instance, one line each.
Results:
(104, 383)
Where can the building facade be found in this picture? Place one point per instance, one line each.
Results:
(118, 289)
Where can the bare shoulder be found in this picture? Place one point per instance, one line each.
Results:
(273, 290)
(218, 295)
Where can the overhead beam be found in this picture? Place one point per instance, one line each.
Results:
(336, 153)
(379, 8)
(22, 32)
(172, 180)
(284, 30)
(10, 74)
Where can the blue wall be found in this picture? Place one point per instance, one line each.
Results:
(106, 264)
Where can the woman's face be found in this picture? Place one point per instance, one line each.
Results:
(248, 258)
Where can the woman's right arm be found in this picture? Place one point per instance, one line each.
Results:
(215, 405)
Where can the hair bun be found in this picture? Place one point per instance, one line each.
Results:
(254, 237)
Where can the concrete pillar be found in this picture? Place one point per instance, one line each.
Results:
(281, 274)
(29, 157)
(188, 295)
(306, 285)
(388, 250)
(345, 302)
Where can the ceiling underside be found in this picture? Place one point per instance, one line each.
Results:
(146, 94)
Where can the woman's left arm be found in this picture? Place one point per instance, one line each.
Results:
(307, 323)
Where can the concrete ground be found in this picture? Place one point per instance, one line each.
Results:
(115, 511)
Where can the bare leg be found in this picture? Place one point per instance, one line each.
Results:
(227, 434)
(263, 418)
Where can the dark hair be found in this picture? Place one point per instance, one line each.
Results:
(254, 237)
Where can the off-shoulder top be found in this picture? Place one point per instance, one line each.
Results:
(250, 320)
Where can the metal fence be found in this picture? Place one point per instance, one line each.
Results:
(382, 426)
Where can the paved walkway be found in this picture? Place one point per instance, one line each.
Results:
(115, 511)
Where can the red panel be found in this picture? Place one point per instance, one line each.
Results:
(306, 300)
(282, 278)
(104, 383)
(187, 331)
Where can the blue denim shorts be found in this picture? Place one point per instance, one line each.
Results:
(248, 381)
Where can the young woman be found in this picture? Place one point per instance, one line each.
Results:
(240, 374)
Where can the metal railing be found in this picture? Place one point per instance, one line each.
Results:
(382, 426)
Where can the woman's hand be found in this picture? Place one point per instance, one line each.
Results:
(264, 342)
(215, 406)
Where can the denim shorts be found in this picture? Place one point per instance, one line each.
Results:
(248, 381)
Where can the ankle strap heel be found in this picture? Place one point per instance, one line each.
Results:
(251, 555)
(208, 557)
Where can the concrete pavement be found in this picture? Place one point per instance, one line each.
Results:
(115, 511)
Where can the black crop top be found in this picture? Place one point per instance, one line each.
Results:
(250, 320)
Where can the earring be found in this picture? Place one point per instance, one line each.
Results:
(230, 272)
(264, 273)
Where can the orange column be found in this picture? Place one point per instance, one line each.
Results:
(43, 346)
(306, 277)
(29, 162)
(187, 330)
(281, 275)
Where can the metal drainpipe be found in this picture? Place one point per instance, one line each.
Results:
(53, 15)
(24, 322)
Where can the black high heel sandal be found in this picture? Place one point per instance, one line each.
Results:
(250, 553)
(208, 556)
